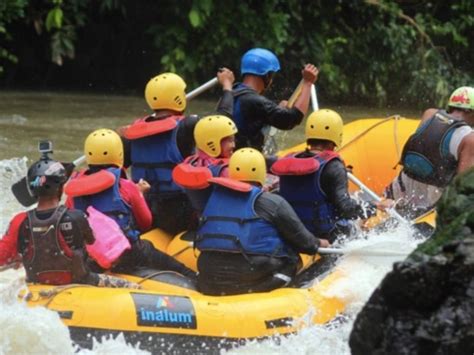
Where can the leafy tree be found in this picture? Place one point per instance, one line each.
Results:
(376, 51)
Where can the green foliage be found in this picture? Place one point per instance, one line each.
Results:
(376, 51)
(10, 11)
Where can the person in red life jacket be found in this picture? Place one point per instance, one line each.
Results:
(252, 112)
(248, 239)
(215, 143)
(155, 144)
(441, 147)
(50, 239)
(104, 186)
(315, 182)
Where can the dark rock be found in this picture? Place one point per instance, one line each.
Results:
(425, 305)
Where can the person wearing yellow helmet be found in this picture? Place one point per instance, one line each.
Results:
(215, 142)
(105, 187)
(155, 144)
(315, 181)
(252, 112)
(441, 147)
(248, 239)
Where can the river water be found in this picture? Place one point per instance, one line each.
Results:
(66, 119)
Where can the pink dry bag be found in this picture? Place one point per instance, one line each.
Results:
(110, 242)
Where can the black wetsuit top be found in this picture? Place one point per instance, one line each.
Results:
(257, 112)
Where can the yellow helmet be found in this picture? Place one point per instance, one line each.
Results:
(248, 164)
(209, 132)
(166, 91)
(325, 124)
(103, 147)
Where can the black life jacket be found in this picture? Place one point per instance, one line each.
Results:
(426, 157)
(48, 261)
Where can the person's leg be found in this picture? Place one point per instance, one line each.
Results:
(159, 260)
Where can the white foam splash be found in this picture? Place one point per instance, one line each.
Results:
(11, 170)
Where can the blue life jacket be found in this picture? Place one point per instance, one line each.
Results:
(229, 223)
(153, 158)
(426, 157)
(110, 202)
(305, 195)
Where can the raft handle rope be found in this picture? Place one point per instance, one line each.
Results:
(52, 293)
(153, 274)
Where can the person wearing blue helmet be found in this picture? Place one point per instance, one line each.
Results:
(252, 111)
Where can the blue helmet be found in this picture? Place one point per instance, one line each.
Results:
(259, 61)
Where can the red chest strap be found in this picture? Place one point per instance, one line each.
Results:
(91, 184)
(142, 128)
(295, 166)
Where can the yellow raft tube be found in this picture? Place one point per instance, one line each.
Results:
(167, 310)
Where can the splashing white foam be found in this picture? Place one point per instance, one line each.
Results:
(11, 170)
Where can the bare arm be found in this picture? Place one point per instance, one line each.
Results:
(466, 153)
(428, 114)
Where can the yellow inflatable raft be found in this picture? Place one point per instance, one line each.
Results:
(169, 311)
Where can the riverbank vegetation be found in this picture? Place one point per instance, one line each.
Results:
(372, 51)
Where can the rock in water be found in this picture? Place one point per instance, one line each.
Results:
(425, 305)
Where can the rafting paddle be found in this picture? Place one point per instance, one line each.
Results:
(20, 189)
(384, 248)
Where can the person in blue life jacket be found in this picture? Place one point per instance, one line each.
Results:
(215, 143)
(441, 147)
(253, 112)
(156, 143)
(51, 239)
(105, 187)
(248, 239)
(315, 181)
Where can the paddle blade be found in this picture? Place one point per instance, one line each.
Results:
(22, 194)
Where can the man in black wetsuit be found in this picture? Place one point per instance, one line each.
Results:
(252, 112)
(249, 239)
(155, 144)
(315, 182)
(51, 239)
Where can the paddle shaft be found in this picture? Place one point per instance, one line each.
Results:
(295, 94)
(199, 90)
(362, 252)
(375, 197)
